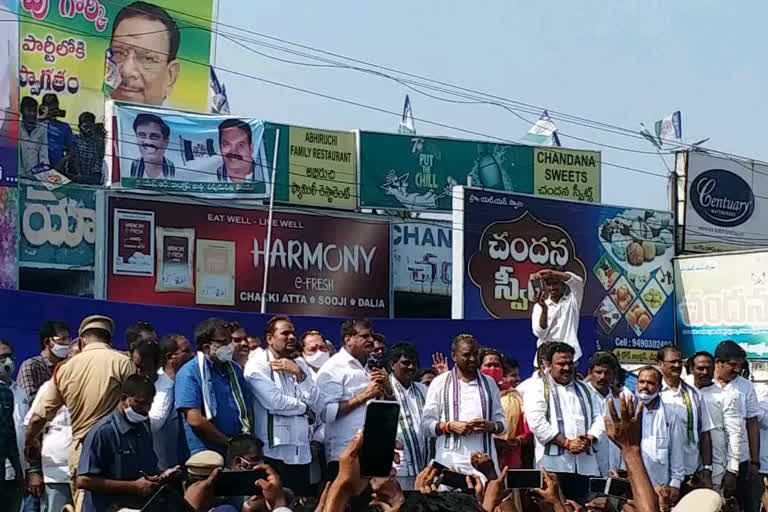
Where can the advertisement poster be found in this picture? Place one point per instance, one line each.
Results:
(58, 227)
(166, 151)
(133, 249)
(9, 92)
(421, 257)
(623, 254)
(417, 173)
(175, 254)
(723, 297)
(160, 54)
(726, 207)
(320, 167)
(318, 265)
(9, 214)
(215, 273)
(567, 174)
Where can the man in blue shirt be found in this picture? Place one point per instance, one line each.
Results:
(60, 137)
(211, 393)
(118, 467)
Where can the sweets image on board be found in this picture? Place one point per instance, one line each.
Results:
(638, 317)
(607, 271)
(607, 315)
(653, 296)
(622, 294)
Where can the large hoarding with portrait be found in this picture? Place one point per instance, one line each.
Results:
(168, 151)
(185, 254)
(726, 204)
(623, 254)
(723, 297)
(410, 172)
(161, 52)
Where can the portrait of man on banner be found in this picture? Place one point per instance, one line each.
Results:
(239, 163)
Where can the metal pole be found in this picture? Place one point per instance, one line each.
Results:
(268, 243)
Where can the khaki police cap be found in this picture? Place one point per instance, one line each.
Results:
(700, 500)
(203, 463)
(97, 322)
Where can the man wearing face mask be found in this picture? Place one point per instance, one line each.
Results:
(14, 404)
(54, 345)
(285, 396)
(118, 467)
(175, 351)
(212, 394)
(315, 350)
(244, 453)
(662, 443)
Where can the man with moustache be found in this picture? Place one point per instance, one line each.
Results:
(662, 443)
(285, 396)
(239, 165)
(347, 386)
(726, 422)
(684, 401)
(145, 43)
(152, 134)
(566, 420)
(472, 414)
(601, 379)
(411, 396)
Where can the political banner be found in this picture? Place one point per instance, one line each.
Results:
(160, 53)
(624, 255)
(723, 297)
(57, 227)
(9, 214)
(726, 204)
(417, 173)
(315, 167)
(421, 257)
(9, 92)
(318, 265)
(168, 151)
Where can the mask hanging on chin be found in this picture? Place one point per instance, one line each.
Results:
(133, 416)
(646, 398)
(317, 359)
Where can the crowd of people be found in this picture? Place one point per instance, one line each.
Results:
(87, 426)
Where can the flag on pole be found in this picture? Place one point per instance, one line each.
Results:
(407, 126)
(112, 76)
(218, 95)
(649, 136)
(543, 132)
(670, 127)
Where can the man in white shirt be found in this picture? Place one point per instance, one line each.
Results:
(662, 442)
(566, 420)
(685, 402)
(9, 491)
(285, 397)
(726, 420)
(556, 313)
(603, 367)
(411, 396)
(314, 350)
(175, 351)
(463, 410)
(747, 485)
(346, 387)
(540, 368)
(761, 389)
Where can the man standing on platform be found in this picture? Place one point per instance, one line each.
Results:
(556, 312)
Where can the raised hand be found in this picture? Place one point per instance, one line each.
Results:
(439, 363)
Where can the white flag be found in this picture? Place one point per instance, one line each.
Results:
(407, 126)
(670, 127)
(543, 132)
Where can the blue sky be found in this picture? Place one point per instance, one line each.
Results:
(615, 62)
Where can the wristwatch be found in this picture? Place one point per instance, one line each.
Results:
(707, 467)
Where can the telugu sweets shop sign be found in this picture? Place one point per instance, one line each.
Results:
(318, 265)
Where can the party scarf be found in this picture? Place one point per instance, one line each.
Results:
(209, 397)
(581, 392)
(414, 443)
(451, 407)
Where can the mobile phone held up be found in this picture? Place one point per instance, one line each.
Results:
(524, 479)
(616, 487)
(379, 434)
(238, 483)
(450, 478)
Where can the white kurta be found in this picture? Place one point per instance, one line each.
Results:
(746, 398)
(470, 408)
(412, 402)
(726, 431)
(675, 403)
(662, 446)
(281, 407)
(608, 454)
(573, 423)
(562, 317)
(57, 436)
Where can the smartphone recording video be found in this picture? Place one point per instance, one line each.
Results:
(524, 479)
(379, 433)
